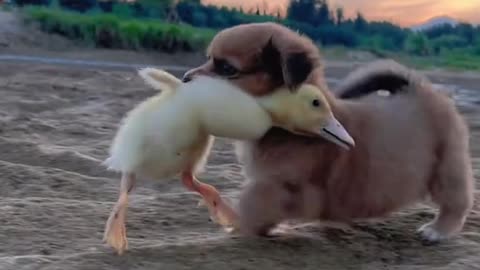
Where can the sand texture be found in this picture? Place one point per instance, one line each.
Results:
(56, 123)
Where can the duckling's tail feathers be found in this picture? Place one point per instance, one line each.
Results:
(385, 75)
(159, 79)
(112, 164)
(126, 151)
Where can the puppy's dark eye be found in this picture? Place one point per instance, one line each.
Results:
(223, 68)
(316, 103)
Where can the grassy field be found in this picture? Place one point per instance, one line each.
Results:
(451, 61)
(111, 31)
(454, 60)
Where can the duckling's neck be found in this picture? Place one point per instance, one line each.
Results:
(276, 106)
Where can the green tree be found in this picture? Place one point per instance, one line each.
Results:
(322, 15)
(301, 11)
(339, 15)
(360, 23)
(199, 18)
(31, 2)
(447, 42)
(155, 8)
(417, 43)
(122, 10)
(278, 16)
(467, 32)
(81, 6)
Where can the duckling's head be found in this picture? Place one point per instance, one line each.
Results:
(306, 112)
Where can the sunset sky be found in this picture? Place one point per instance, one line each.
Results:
(403, 12)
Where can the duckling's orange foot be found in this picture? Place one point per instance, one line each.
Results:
(115, 234)
(221, 213)
(224, 219)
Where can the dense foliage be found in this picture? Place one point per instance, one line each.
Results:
(315, 18)
(111, 31)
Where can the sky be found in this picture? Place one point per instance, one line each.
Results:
(402, 12)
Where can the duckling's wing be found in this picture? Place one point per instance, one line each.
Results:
(151, 135)
(126, 150)
(159, 79)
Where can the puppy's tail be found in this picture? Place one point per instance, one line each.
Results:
(159, 79)
(386, 75)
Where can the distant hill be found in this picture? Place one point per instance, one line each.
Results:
(434, 22)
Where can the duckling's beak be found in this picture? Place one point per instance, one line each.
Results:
(332, 131)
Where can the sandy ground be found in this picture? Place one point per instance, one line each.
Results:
(56, 123)
(55, 126)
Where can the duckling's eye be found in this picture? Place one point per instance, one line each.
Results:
(223, 68)
(316, 103)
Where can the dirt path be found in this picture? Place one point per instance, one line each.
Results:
(84, 63)
(55, 126)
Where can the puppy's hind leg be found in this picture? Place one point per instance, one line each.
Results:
(262, 205)
(452, 190)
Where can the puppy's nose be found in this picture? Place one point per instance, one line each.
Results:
(192, 73)
(186, 78)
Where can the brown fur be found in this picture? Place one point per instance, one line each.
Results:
(409, 145)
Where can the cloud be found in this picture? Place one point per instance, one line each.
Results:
(405, 12)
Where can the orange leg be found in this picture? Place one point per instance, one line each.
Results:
(115, 232)
(219, 210)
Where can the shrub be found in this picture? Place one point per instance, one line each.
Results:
(417, 44)
(112, 31)
(448, 42)
(31, 2)
(122, 10)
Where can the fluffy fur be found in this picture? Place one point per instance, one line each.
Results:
(409, 145)
(172, 132)
(182, 117)
(175, 119)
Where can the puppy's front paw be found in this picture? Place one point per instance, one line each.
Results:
(250, 230)
(431, 235)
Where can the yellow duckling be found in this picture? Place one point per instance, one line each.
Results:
(171, 134)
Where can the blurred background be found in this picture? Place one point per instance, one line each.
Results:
(426, 33)
(68, 76)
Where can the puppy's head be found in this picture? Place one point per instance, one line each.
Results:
(260, 57)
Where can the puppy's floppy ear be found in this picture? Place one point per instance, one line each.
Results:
(270, 59)
(289, 68)
(296, 68)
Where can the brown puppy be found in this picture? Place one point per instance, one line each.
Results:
(409, 145)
